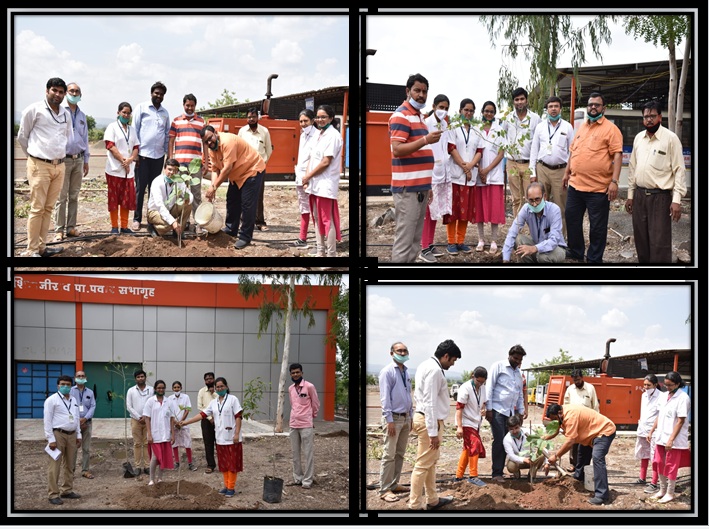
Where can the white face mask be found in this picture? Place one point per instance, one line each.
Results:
(177, 393)
(441, 113)
(306, 130)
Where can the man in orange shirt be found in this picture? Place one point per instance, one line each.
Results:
(592, 181)
(232, 158)
(594, 433)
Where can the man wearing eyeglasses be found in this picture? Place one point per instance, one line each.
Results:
(545, 242)
(232, 159)
(656, 185)
(45, 130)
(592, 181)
(397, 418)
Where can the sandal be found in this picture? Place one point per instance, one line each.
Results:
(389, 497)
(87, 474)
(209, 471)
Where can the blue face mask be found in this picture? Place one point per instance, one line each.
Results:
(123, 120)
(555, 118)
(221, 392)
(537, 208)
(64, 390)
(73, 99)
(596, 118)
(400, 359)
(416, 105)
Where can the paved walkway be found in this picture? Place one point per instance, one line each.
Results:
(33, 429)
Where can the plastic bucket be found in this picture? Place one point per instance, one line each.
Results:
(208, 217)
(272, 489)
(588, 478)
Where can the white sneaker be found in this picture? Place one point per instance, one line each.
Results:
(480, 247)
(666, 498)
(151, 483)
(493, 247)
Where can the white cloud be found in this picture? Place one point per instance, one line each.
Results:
(286, 51)
(615, 319)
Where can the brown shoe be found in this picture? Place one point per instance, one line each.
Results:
(400, 488)
(73, 232)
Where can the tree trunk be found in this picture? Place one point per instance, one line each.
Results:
(680, 91)
(284, 362)
(672, 101)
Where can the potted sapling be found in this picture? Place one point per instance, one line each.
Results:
(180, 193)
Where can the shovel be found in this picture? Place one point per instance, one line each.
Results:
(558, 468)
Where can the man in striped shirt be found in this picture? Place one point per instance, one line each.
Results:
(411, 169)
(185, 144)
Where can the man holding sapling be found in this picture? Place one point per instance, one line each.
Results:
(164, 212)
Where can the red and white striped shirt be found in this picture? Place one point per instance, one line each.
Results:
(188, 143)
(412, 172)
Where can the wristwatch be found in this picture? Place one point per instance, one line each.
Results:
(614, 182)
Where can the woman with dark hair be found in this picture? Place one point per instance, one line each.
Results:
(671, 436)
(322, 182)
(122, 144)
(469, 413)
(160, 423)
(644, 449)
(227, 413)
(308, 133)
(489, 188)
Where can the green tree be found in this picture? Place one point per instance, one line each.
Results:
(563, 357)
(666, 31)
(90, 123)
(372, 380)
(280, 307)
(340, 333)
(467, 375)
(542, 39)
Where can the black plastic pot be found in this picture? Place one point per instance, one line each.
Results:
(272, 489)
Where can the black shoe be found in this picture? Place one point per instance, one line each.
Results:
(152, 232)
(127, 231)
(241, 244)
(146, 471)
(56, 501)
(228, 232)
(441, 502)
(49, 250)
(71, 495)
(596, 501)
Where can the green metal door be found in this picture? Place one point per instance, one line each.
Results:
(109, 388)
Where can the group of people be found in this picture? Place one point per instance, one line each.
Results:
(145, 150)
(556, 174)
(160, 426)
(498, 395)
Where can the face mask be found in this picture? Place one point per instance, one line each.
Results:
(416, 105)
(487, 120)
(64, 390)
(177, 393)
(325, 126)
(123, 120)
(221, 392)
(537, 208)
(653, 129)
(307, 129)
(594, 119)
(296, 380)
(81, 381)
(440, 114)
(216, 145)
(400, 359)
(517, 435)
(554, 118)
(73, 99)
(189, 115)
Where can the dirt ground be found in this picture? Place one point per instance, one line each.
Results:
(620, 247)
(550, 493)
(280, 207)
(198, 491)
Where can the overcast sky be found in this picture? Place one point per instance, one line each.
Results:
(485, 321)
(118, 58)
(455, 54)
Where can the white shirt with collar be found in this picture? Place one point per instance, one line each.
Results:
(260, 139)
(136, 399)
(431, 394)
(160, 200)
(551, 144)
(44, 133)
(62, 413)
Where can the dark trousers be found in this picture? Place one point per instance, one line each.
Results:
(147, 170)
(652, 226)
(598, 206)
(241, 204)
(208, 438)
(260, 220)
(597, 454)
(499, 430)
(573, 455)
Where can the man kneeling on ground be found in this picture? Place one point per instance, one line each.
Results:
(164, 213)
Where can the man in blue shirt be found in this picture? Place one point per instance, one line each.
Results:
(397, 415)
(87, 406)
(546, 243)
(505, 393)
(152, 125)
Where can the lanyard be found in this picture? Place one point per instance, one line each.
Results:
(521, 442)
(68, 408)
(220, 408)
(476, 392)
(403, 376)
(462, 129)
(127, 137)
(551, 134)
(439, 365)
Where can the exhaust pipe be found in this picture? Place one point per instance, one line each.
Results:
(267, 101)
(608, 348)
